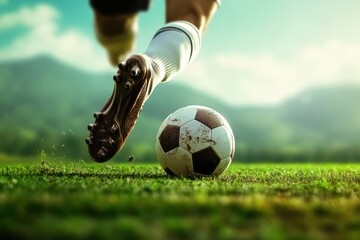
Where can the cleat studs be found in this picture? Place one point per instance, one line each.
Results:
(114, 128)
(135, 71)
(128, 84)
(110, 141)
(121, 66)
(88, 141)
(101, 153)
(97, 115)
(91, 127)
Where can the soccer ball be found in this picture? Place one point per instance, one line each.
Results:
(195, 141)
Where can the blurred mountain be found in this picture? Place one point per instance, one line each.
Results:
(46, 105)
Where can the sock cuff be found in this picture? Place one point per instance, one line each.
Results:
(173, 47)
(189, 30)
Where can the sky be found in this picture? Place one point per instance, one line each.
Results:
(254, 52)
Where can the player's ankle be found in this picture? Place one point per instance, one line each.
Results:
(157, 71)
(174, 46)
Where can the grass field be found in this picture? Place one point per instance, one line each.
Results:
(131, 201)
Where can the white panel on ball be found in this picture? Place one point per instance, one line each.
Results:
(222, 143)
(182, 116)
(179, 161)
(223, 165)
(194, 136)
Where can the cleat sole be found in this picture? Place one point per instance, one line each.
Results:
(118, 117)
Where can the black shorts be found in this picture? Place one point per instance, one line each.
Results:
(112, 7)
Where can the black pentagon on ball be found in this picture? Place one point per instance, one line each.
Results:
(208, 118)
(169, 138)
(205, 161)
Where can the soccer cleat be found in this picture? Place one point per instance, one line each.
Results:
(113, 124)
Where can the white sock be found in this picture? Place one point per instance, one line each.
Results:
(172, 48)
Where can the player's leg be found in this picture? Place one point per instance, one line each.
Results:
(177, 44)
(172, 48)
(116, 25)
(197, 12)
